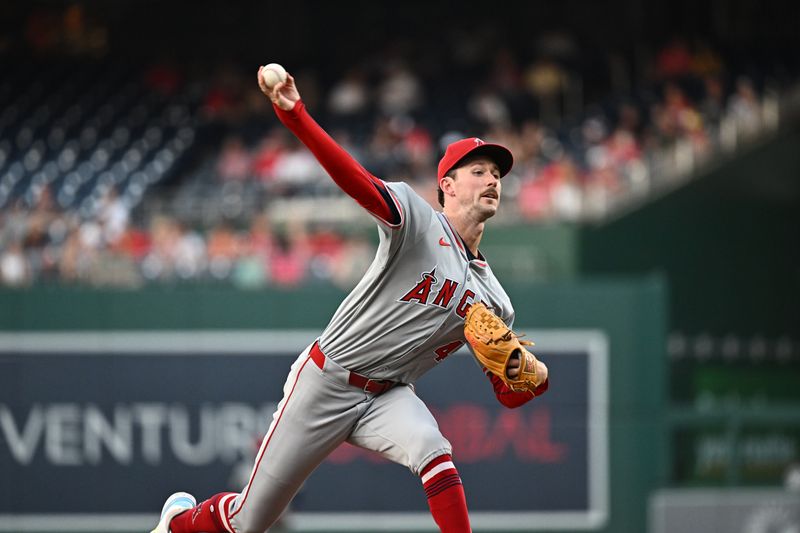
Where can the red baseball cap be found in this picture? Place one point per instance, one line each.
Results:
(471, 146)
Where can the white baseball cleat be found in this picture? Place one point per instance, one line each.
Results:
(175, 504)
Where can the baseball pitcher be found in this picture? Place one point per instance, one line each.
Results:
(428, 291)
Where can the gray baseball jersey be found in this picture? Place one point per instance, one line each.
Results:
(405, 316)
(407, 313)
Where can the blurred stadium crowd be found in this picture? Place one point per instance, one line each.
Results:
(113, 174)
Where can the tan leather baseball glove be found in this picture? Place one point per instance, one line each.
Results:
(494, 344)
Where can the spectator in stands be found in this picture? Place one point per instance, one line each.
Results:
(531, 137)
(189, 257)
(14, 268)
(270, 150)
(676, 118)
(546, 81)
(621, 152)
(508, 82)
(565, 189)
(297, 171)
(386, 155)
(706, 62)
(744, 108)
(76, 256)
(400, 92)
(349, 98)
(712, 106)
(133, 243)
(114, 216)
(13, 223)
(256, 248)
(533, 201)
(542, 189)
(234, 161)
(260, 240)
(159, 263)
(223, 100)
(223, 250)
(488, 108)
(674, 60)
(326, 249)
(290, 258)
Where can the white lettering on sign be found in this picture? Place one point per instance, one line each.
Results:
(62, 436)
(68, 434)
(22, 442)
(199, 452)
(100, 433)
(152, 418)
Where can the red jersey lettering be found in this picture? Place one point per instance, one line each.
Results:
(465, 303)
(447, 349)
(422, 289)
(446, 293)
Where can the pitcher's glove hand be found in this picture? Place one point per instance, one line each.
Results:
(494, 345)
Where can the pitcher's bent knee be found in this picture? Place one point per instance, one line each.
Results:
(426, 444)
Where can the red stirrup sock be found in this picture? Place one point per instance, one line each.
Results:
(206, 517)
(445, 494)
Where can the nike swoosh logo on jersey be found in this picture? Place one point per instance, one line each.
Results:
(443, 242)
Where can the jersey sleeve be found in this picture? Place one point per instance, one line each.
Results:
(416, 214)
(369, 191)
(513, 399)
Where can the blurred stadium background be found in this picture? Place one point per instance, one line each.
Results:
(151, 205)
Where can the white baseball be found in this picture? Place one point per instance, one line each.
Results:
(273, 74)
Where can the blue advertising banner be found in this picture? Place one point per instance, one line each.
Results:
(97, 428)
